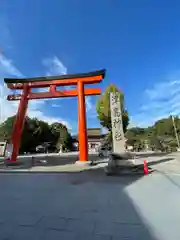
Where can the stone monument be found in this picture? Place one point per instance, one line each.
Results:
(119, 154)
(116, 123)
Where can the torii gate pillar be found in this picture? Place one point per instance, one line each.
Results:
(83, 146)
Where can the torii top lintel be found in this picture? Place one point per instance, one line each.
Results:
(62, 80)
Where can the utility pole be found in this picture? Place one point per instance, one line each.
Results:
(1, 107)
(1, 91)
(175, 130)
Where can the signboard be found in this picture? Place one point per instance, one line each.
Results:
(116, 122)
(8, 150)
(3, 146)
(14, 97)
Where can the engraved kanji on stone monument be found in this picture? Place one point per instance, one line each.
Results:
(116, 112)
(116, 122)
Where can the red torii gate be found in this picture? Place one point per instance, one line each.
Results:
(27, 84)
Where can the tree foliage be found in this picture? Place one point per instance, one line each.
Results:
(103, 108)
(37, 132)
(160, 136)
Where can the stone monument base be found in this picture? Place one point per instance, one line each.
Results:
(123, 163)
(122, 159)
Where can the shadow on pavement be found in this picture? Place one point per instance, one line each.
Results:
(46, 161)
(61, 160)
(85, 204)
(155, 154)
(171, 180)
(160, 161)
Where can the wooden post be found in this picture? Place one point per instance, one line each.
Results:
(19, 123)
(83, 148)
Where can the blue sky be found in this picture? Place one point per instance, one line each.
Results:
(136, 41)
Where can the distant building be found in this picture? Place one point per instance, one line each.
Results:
(95, 138)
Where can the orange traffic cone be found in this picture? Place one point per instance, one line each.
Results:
(146, 171)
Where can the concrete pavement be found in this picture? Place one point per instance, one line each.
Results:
(157, 200)
(89, 205)
(169, 163)
(165, 163)
(81, 202)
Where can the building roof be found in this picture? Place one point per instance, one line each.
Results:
(93, 134)
(91, 137)
(60, 77)
(94, 131)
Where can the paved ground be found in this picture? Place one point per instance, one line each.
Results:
(89, 205)
(165, 163)
(169, 163)
(84, 203)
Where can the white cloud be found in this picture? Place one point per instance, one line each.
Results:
(35, 107)
(7, 67)
(54, 66)
(162, 100)
(132, 124)
(89, 104)
(55, 105)
(90, 108)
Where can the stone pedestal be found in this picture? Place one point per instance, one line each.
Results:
(122, 164)
(123, 159)
(129, 162)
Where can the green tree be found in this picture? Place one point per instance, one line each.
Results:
(135, 132)
(160, 136)
(37, 132)
(63, 137)
(103, 108)
(139, 145)
(164, 127)
(6, 127)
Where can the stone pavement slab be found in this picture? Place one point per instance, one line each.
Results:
(88, 205)
(157, 200)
